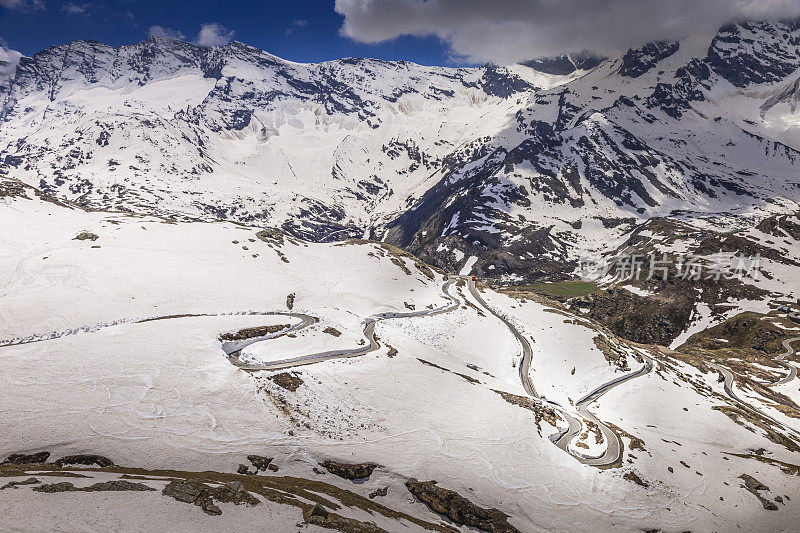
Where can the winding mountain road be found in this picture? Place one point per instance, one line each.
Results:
(613, 451)
(527, 353)
(788, 350)
(234, 351)
(729, 382)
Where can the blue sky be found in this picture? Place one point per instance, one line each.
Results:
(299, 30)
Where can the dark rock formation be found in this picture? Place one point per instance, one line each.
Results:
(287, 380)
(565, 64)
(349, 471)
(540, 411)
(319, 516)
(204, 496)
(634, 477)
(261, 463)
(27, 459)
(744, 331)
(15, 484)
(459, 509)
(754, 487)
(319, 510)
(638, 318)
(49, 488)
(250, 333)
(244, 471)
(638, 61)
(85, 459)
(117, 485)
(378, 492)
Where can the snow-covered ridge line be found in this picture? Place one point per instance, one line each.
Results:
(500, 162)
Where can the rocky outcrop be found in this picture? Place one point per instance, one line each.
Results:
(755, 487)
(459, 509)
(245, 471)
(634, 477)
(638, 318)
(638, 61)
(349, 471)
(287, 380)
(204, 496)
(565, 64)
(261, 463)
(27, 459)
(319, 516)
(250, 333)
(15, 484)
(744, 331)
(117, 485)
(383, 491)
(540, 411)
(85, 459)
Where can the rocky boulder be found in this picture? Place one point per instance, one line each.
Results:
(459, 509)
(349, 471)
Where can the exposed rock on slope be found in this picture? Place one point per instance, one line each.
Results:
(349, 471)
(459, 509)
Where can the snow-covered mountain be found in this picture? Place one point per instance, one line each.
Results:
(190, 367)
(329, 150)
(679, 128)
(520, 166)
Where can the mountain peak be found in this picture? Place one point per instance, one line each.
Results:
(566, 63)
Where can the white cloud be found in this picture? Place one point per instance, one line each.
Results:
(23, 5)
(505, 31)
(75, 9)
(170, 33)
(213, 34)
(8, 61)
(296, 25)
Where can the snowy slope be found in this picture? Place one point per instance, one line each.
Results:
(427, 404)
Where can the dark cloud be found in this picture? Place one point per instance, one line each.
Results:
(505, 31)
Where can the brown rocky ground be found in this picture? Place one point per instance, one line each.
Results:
(317, 502)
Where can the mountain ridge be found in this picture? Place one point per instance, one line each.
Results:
(522, 169)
